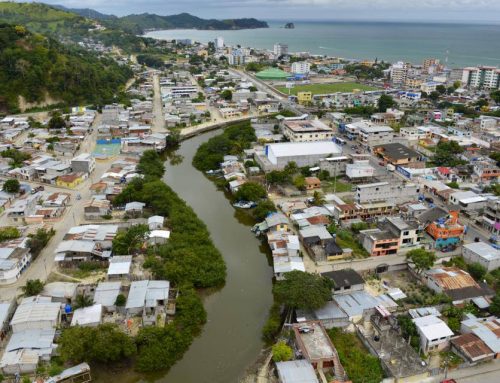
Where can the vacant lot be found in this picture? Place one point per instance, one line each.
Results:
(326, 88)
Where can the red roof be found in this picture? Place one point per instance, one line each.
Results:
(443, 170)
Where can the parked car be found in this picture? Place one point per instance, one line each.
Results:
(429, 199)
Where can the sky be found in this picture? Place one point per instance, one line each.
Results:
(376, 10)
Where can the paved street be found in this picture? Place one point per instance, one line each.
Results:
(43, 265)
(483, 373)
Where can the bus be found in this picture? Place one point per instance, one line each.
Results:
(339, 141)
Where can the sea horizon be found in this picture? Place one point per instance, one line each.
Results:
(458, 45)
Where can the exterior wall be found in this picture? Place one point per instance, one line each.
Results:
(472, 257)
(433, 345)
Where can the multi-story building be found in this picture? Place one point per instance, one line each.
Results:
(301, 67)
(370, 136)
(399, 72)
(491, 216)
(280, 49)
(304, 98)
(398, 154)
(482, 253)
(219, 42)
(84, 163)
(429, 63)
(487, 77)
(486, 170)
(409, 232)
(308, 130)
(442, 226)
(13, 261)
(380, 242)
(385, 191)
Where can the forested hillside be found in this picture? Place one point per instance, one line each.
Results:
(33, 66)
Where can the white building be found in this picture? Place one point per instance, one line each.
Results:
(87, 316)
(399, 72)
(36, 313)
(13, 261)
(302, 153)
(219, 42)
(482, 253)
(301, 67)
(487, 77)
(467, 200)
(307, 130)
(280, 49)
(434, 333)
(385, 191)
(370, 136)
(360, 169)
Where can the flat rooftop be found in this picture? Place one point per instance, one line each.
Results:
(315, 344)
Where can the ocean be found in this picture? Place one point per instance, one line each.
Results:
(462, 44)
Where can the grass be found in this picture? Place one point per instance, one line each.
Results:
(341, 187)
(326, 88)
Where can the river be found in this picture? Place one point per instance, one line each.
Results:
(231, 338)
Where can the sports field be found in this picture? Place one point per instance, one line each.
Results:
(326, 88)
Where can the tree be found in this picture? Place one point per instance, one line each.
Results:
(105, 343)
(422, 259)
(33, 287)
(434, 96)
(227, 95)
(130, 240)
(301, 290)
(300, 182)
(477, 271)
(495, 305)
(39, 240)
(318, 199)
(441, 89)
(251, 191)
(457, 84)
(82, 301)
(151, 164)
(11, 186)
(9, 232)
(120, 300)
(56, 121)
(495, 96)
(282, 352)
(453, 185)
(263, 209)
(384, 102)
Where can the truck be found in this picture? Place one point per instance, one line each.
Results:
(391, 167)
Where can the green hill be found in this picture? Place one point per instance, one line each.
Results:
(34, 66)
(145, 21)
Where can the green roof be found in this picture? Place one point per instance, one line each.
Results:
(272, 74)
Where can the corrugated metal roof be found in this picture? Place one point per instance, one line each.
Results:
(106, 293)
(32, 339)
(36, 311)
(296, 371)
(87, 315)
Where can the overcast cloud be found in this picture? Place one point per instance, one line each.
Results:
(402, 10)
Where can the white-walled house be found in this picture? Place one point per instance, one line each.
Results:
(434, 334)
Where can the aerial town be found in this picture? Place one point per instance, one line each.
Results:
(371, 187)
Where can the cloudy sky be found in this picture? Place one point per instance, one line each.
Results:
(400, 10)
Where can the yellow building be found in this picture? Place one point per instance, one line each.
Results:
(304, 98)
(71, 180)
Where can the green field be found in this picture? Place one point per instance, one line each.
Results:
(326, 88)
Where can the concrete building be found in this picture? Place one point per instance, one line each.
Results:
(442, 226)
(399, 155)
(90, 316)
(13, 261)
(434, 334)
(482, 253)
(491, 216)
(296, 371)
(84, 163)
(359, 170)
(370, 136)
(36, 313)
(306, 130)
(467, 200)
(385, 191)
(302, 153)
(399, 71)
(486, 329)
(219, 42)
(380, 242)
(280, 49)
(345, 281)
(487, 77)
(301, 67)
(410, 232)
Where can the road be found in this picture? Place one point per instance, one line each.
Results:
(482, 373)
(41, 267)
(158, 118)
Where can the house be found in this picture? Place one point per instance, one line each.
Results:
(467, 200)
(399, 155)
(83, 163)
(13, 262)
(355, 303)
(155, 222)
(491, 216)
(373, 135)
(90, 316)
(77, 251)
(96, 209)
(482, 253)
(70, 180)
(106, 294)
(456, 283)
(345, 281)
(471, 348)
(380, 242)
(102, 235)
(312, 183)
(409, 231)
(61, 292)
(119, 266)
(306, 130)
(158, 237)
(134, 208)
(385, 191)
(296, 371)
(442, 226)
(434, 334)
(22, 208)
(36, 313)
(486, 329)
(285, 264)
(317, 348)
(148, 298)
(320, 244)
(57, 200)
(273, 222)
(304, 98)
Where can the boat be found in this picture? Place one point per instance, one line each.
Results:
(244, 204)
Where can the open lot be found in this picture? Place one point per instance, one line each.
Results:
(326, 88)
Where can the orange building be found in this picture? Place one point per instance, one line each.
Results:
(442, 226)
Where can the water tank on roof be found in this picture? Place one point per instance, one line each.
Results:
(68, 309)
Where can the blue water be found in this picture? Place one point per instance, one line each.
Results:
(467, 44)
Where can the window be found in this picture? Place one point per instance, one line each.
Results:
(406, 232)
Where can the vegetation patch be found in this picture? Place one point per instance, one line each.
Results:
(326, 88)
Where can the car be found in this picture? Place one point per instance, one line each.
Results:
(381, 163)
(358, 151)
(353, 147)
(305, 329)
(449, 381)
(429, 199)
